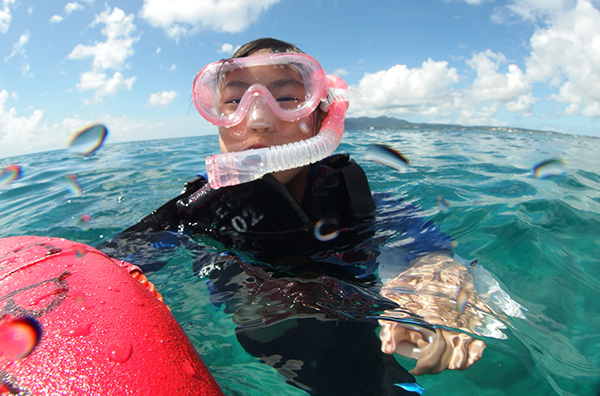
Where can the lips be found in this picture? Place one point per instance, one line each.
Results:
(256, 146)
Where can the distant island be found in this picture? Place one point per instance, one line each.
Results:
(383, 122)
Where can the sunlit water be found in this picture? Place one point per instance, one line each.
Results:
(537, 236)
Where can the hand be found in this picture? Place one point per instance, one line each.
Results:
(435, 352)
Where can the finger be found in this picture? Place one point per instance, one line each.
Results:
(388, 344)
(402, 339)
(395, 338)
(445, 357)
(460, 345)
(475, 351)
(430, 355)
(415, 337)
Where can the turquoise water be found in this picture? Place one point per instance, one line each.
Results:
(538, 237)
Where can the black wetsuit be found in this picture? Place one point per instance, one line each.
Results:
(303, 300)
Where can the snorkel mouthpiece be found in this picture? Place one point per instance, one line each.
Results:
(239, 167)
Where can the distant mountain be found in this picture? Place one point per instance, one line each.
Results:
(384, 122)
(377, 123)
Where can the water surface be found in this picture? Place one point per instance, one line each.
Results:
(537, 236)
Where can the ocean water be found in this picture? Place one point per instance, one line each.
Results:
(537, 237)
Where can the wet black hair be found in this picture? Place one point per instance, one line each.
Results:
(276, 46)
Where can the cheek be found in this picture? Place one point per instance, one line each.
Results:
(304, 128)
(222, 145)
(227, 141)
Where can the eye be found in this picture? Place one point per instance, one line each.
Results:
(287, 99)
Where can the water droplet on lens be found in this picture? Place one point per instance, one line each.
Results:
(78, 297)
(78, 331)
(19, 337)
(73, 185)
(326, 229)
(551, 167)
(304, 127)
(10, 174)
(461, 300)
(120, 351)
(84, 223)
(53, 250)
(442, 203)
(88, 140)
(387, 156)
(80, 251)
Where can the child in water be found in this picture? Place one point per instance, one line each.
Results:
(304, 303)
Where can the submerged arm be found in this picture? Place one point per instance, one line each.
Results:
(437, 288)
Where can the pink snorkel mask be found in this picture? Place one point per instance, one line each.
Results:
(224, 91)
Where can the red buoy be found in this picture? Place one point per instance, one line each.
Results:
(75, 322)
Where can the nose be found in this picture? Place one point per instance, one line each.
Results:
(260, 118)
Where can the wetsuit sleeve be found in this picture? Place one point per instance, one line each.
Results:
(149, 243)
(408, 236)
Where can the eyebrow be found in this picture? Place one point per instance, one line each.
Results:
(274, 84)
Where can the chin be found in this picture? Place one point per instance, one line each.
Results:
(286, 176)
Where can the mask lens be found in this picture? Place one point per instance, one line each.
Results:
(282, 85)
(292, 84)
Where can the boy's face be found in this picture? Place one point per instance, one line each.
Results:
(260, 127)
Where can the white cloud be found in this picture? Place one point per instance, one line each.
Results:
(103, 85)
(566, 54)
(110, 54)
(107, 55)
(511, 88)
(56, 19)
(11, 124)
(431, 90)
(177, 31)
(19, 47)
(181, 17)
(228, 48)
(534, 10)
(71, 7)
(118, 46)
(400, 90)
(5, 15)
(27, 134)
(161, 98)
(341, 72)
(26, 70)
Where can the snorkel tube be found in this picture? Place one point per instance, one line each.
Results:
(230, 169)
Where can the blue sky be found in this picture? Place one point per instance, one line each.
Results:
(130, 65)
